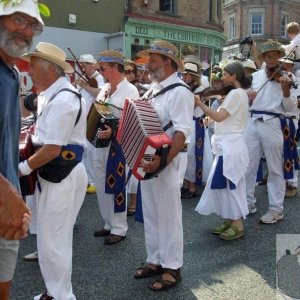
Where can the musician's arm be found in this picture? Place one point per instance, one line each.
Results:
(93, 91)
(14, 214)
(289, 98)
(45, 154)
(177, 144)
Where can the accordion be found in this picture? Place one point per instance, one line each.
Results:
(141, 135)
(99, 116)
(26, 149)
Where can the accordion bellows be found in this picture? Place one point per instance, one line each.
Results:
(140, 135)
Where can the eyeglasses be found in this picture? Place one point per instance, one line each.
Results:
(127, 72)
(23, 23)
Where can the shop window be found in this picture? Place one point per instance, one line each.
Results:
(147, 42)
(136, 41)
(167, 6)
(256, 23)
(283, 22)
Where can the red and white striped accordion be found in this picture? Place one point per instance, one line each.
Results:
(141, 135)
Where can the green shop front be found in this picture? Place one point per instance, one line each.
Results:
(205, 44)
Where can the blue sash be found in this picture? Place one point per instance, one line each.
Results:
(139, 207)
(199, 148)
(290, 153)
(219, 181)
(116, 176)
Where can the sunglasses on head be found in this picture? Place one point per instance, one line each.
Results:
(127, 72)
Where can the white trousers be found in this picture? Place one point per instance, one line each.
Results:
(32, 204)
(266, 137)
(58, 207)
(88, 161)
(115, 222)
(162, 213)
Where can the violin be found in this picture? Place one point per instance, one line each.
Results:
(210, 92)
(276, 72)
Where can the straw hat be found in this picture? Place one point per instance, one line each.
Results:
(271, 45)
(112, 56)
(248, 63)
(289, 58)
(87, 58)
(50, 53)
(28, 7)
(164, 48)
(191, 68)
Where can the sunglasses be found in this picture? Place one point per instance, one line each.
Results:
(127, 72)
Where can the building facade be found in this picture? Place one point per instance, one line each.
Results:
(262, 20)
(194, 26)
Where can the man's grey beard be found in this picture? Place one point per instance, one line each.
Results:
(157, 75)
(9, 46)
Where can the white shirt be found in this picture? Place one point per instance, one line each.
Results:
(295, 42)
(236, 104)
(56, 123)
(270, 97)
(175, 105)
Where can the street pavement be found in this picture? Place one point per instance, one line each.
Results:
(213, 268)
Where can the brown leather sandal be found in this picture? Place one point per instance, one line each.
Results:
(145, 271)
(113, 239)
(166, 284)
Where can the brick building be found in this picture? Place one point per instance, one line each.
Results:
(195, 26)
(261, 20)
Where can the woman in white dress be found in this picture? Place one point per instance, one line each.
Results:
(225, 191)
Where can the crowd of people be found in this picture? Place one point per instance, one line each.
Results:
(220, 127)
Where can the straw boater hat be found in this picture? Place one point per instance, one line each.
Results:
(289, 58)
(29, 7)
(271, 45)
(112, 56)
(248, 63)
(164, 48)
(50, 53)
(87, 58)
(191, 68)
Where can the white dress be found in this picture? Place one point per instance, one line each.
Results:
(228, 142)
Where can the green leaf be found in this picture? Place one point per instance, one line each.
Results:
(44, 10)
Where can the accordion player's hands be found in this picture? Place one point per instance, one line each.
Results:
(151, 166)
(105, 134)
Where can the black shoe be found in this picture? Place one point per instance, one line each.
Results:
(102, 232)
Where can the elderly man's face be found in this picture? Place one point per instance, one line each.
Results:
(38, 72)
(16, 33)
(271, 58)
(156, 67)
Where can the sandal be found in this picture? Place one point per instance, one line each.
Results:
(183, 191)
(146, 271)
(220, 229)
(166, 284)
(113, 239)
(130, 212)
(232, 233)
(190, 194)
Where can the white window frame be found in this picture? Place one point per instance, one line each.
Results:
(251, 13)
(286, 18)
(231, 27)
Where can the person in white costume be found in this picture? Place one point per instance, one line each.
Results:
(225, 191)
(115, 92)
(272, 100)
(162, 210)
(60, 138)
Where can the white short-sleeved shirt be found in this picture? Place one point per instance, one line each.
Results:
(236, 104)
(176, 105)
(56, 120)
(124, 90)
(294, 46)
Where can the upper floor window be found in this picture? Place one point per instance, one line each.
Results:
(167, 6)
(283, 22)
(256, 19)
(231, 29)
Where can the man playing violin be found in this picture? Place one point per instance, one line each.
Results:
(273, 100)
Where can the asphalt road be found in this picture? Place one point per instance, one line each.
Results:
(213, 268)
